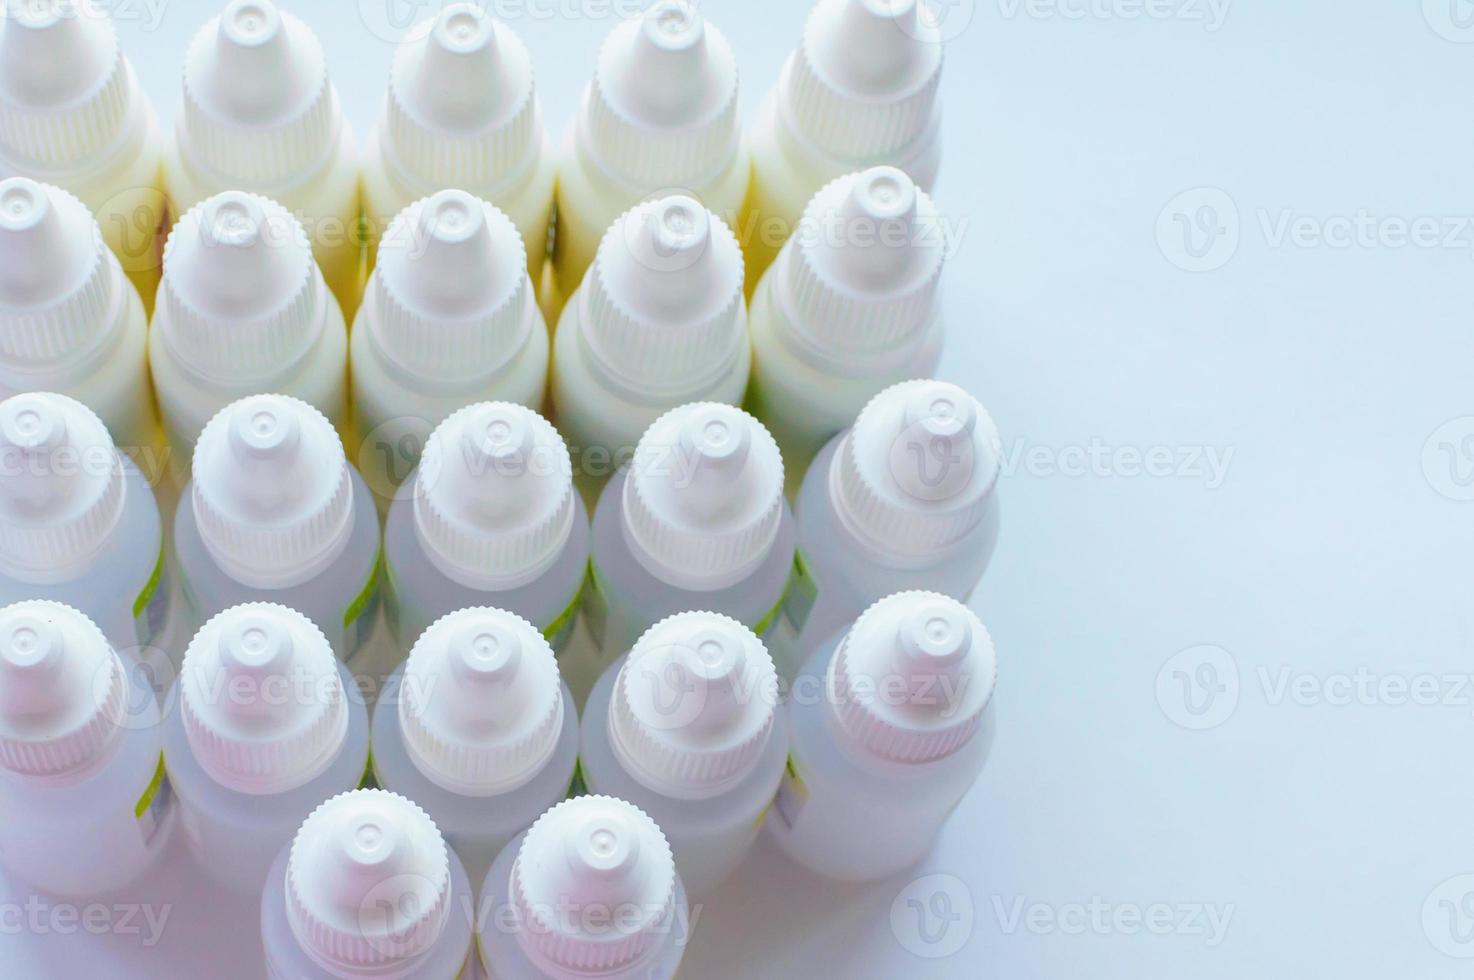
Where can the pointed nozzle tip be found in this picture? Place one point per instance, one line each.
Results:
(23, 204)
(263, 430)
(464, 28)
(605, 845)
(28, 422)
(250, 23)
(28, 642)
(673, 25)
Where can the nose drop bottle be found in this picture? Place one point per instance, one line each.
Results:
(859, 91)
(449, 318)
(461, 111)
(889, 729)
(367, 888)
(276, 514)
(243, 310)
(482, 733)
(686, 728)
(72, 114)
(70, 321)
(659, 322)
(850, 308)
(490, 519)
(266, 727)
(260, 114)
(589, 890)
(660, 116)
(87, 808)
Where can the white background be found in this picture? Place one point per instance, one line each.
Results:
(1318, 349)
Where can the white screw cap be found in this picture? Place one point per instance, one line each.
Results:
(493, 498)
(592, 859)
(662, 108)
(703, 501)
(461, 110)
(59, 284)
(864, 269)
(664, 298)
(451, 289)
(693, 705)
(258, 106)
(482, 702)
(63, 491)
(915, 472)
(911, 679)
(863, 82)
(368, 883)
(264, 708)
(63, 690)
(272, 494)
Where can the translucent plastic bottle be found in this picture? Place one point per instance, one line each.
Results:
(479, 729)
(243, 310)
(659, 322)
(461, 111)
(276, 514)
(87, 808)
(860, 90)
(72, 114)
(686, 729)
(266, 724)
(490, 519)
(260, 114)
(449, 318)
(659, 117)
(367, 888)
(70, 321)
(850, 308)
(889, 726)
(590, 890)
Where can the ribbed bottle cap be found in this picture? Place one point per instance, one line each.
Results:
(693, 705)
(63, 690)
(911, 679)
(915, 472)
(662, 108)
(494, 495)
(703, 501)
(450, 289)
(258, 105)
(594, 888)
(461, 110)
(864, 268)
(58, 281)
(368, 883)
(272, 495)
(62, 490)
(263, 705)
(482, 702)
(863, 82)
(665, 298)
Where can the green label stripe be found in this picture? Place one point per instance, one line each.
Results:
(803, 591)
(577, 786)
(766, 623)
(370, 778)
(356, 607)
(563, 618)
(147, 799)
(152, 586)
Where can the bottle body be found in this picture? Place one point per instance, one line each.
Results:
(708, 837)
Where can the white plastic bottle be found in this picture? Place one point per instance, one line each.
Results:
(658, 322)
(686, 729)
(72, 114)
(449, 318)
(260, 114)
(590, 890)
(243, 310)
(659, 117)
(905, 499)
(889, 726)
(367, 888)
(265, 725)
(276, 514)
(851, 308)
(461, 111)
(478, 728)
(490, 519)
(87, 807)
(860, 90)
(70, 321)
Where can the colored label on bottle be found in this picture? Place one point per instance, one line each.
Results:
(153, 805)
(151, 605)
(793, 794)
(802, 593)
(558, 631)
(578, 786)
(358, 617)
(370, 779)
(596, 605)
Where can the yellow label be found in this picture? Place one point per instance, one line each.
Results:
(361, 601)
